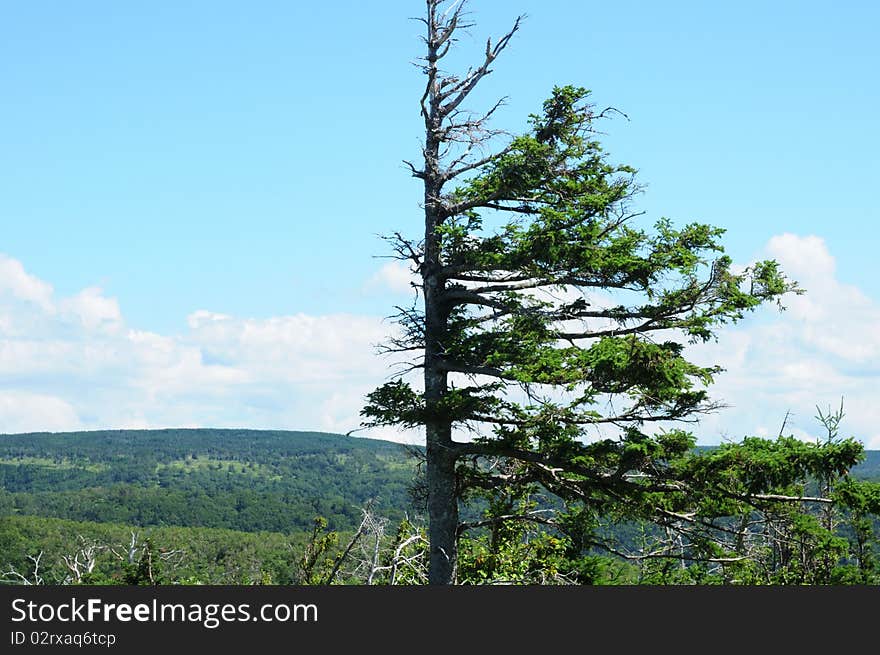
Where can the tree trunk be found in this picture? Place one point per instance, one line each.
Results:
(440, 456)
(442, 513)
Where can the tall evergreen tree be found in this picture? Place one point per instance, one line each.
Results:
(548, 315)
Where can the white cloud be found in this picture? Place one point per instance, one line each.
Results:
(93, 310)
(73, 363)
(299, 349)
(395, 276)
(825, 346)
(807, 256)
(33, 412)
(23, 286)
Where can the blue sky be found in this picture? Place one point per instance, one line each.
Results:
(191, 193)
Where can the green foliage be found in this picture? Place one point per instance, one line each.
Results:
(245, 480)
(147, 570)
(763, 511)
(540, 559)
(781, 511)
(519, 541)
(317, 562)
(758, 464)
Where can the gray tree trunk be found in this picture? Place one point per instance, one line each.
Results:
(440, 458)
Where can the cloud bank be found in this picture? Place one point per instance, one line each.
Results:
(71, 363)
(823, 348)
(74, 363)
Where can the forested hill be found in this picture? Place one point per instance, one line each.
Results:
(246, 480)
(869, 469)
(103, 445)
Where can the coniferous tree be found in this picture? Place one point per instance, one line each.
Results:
(548, 312)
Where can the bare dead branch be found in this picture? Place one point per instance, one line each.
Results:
(454, 96)
(355, 538)
(35, 578)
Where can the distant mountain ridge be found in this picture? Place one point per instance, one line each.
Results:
(189, 437)
(247, 480)
(238, 479)
(235, 442)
